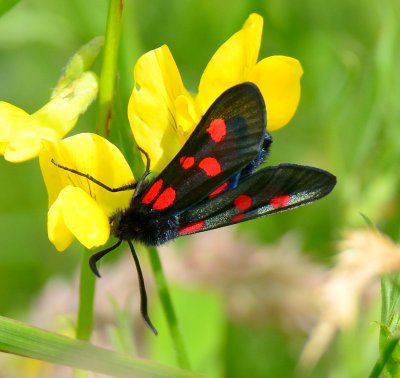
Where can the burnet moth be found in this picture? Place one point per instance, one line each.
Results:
(213, 181)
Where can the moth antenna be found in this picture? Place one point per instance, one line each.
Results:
(142, 288)
(97, 256)
(145, 174)
(92, 179)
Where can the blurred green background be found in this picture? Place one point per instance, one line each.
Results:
(348, 123)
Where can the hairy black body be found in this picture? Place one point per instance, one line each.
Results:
(138, 224)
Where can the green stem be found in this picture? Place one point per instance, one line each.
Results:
(106, 96)
(86, 299)
(168, 308)
(109, 67)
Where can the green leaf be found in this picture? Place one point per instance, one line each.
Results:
(24, 340)
(390, 326)
(385, 356)
(6, 5)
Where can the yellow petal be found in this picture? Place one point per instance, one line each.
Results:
(151, 108)
(91, 154)
(76, 213)
(20, 133)
(14, 121)
(63, 110)
(187, 116)
(278, 78)
(22, 149)
(231, 63)
(57, 231)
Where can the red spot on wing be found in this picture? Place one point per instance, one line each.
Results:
(237, 217)
(165, 199)
(192, 227)
(152, 192)
(210, 166)
(242, 202)
(219, 190)
(186, 161)
(279, 201)
(217, 129)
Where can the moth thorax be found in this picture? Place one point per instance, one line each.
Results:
(144, 226)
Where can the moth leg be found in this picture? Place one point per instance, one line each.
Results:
(97, 182)
(142, 289)
(97, 256)
(147, 171)
(145, 174)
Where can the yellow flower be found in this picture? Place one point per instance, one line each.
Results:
(22, 134)
(152, 108)
(78, 207)
(162, 113)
